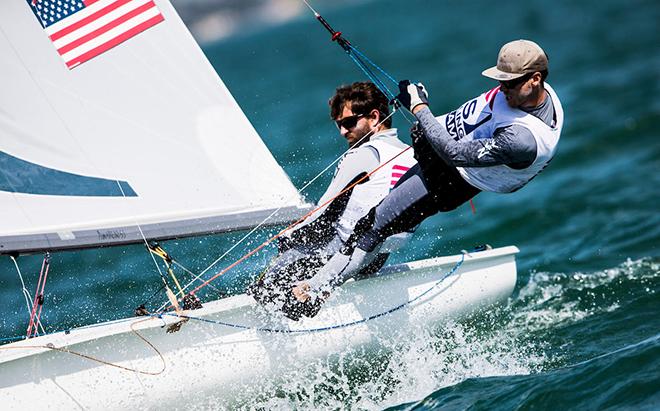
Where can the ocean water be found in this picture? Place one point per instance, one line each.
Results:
(582, 328)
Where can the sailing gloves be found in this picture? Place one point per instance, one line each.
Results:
(412, 95)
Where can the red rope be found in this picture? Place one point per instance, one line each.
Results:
(300, 220)
(41, 299)
(33, 315)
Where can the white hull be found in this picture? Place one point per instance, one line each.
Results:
(206, 358)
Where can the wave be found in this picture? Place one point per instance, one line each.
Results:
(548, 346)
(582, 325)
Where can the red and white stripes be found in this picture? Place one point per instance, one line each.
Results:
(397, 172)
(100, 26)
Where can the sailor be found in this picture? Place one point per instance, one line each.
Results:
(496, 142)
(361, 113)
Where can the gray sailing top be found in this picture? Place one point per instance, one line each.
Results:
(513, 145)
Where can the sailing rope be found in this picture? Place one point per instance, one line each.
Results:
(26, 293)
(309, 183)
(335, 326)
(301, 219)
(366, 65)
(98, 360)
(38, 302)
(160, 252)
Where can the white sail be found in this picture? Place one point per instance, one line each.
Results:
(144, 134)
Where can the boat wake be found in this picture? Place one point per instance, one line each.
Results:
(580, 325)
(406, 366)
(550, 302)
(533, 335)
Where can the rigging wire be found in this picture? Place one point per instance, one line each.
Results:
(364, 63)
(246, 236)
(452, 271)
(38, 302)
(265, 243)
(26, 293)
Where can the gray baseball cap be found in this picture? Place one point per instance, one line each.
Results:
(516, 59)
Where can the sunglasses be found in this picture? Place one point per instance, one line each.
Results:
(512, 84)
(348, 122)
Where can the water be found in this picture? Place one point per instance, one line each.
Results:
(582, 328)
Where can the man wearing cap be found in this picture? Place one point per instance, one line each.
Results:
(496, 142)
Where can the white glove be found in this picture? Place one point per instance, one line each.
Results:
(412, 95)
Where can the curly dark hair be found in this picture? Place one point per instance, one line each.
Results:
(364, 96)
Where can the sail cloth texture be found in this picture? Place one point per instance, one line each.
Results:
(145, 133)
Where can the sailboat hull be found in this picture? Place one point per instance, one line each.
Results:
(230, 345)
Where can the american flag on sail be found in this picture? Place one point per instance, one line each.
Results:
(82, 29)
(397, 172)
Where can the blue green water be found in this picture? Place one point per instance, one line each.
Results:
(582, 329)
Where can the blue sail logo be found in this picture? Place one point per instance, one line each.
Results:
(20, 176)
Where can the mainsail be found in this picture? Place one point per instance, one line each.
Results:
(143, 135)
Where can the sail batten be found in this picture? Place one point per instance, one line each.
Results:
(144, 134)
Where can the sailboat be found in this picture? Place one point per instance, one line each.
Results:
(115, 129)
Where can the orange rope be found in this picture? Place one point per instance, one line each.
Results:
(37, 304)
(474, 209)
(300, 220)
(89, 357)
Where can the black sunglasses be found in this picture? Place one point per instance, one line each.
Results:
(348, 122)
(512, 84)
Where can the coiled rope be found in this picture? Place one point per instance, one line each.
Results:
(95, 359)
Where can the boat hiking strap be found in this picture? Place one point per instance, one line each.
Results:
(449, 273)
(38, 301)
